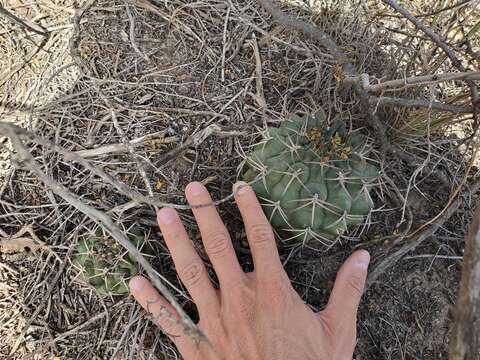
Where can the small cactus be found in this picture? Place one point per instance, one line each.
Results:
(313, 180)
(105, 264)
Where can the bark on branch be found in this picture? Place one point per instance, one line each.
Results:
(415, 103)
(405, 83)
(437, 39)
(465, 338)
(37, 29)
(25, 159)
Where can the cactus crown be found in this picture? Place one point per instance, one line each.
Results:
(313, 180)
(105, 264)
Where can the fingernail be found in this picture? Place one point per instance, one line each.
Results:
(167, 216)
(136, 283)
(195, 188)
(362, 259)
(240, 187)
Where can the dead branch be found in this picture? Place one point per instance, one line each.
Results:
(137, 197)
(402, 84)
(465, 336)
(137, 158)
(37, 29)
(266, 34)
(437, 39)
(259, 97)
(122, 148)
(427, 232)
(446, 8)
(132, 34)
(458, 109)
(81, 326)
(195, 140)
(299, 25)
(25, 159)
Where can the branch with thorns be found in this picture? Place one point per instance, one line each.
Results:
(374, 122)
(405, 83)
(432, 227)
(23, 158)
(37, 29)
(437, 39)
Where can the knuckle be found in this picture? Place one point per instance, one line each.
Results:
(192, 273)
(261, 234)
(216, 244)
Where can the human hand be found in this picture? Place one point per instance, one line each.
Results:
(256, 315)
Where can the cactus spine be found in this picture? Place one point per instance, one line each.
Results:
(105, 264)
(313, 179)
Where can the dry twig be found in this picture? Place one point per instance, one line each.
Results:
(25, 159)
(414, 103)
(437, 40)
(465, 337)
(402, 84)
(195, 140)
(412, 243)
(37, 29)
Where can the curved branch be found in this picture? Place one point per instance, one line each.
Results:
(422, 104)
(437, 39)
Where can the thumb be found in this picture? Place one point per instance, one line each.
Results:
(348, 289)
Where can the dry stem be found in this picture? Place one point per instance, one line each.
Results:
(25, 159)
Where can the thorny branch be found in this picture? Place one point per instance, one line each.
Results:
(439, 41)
(136, 196)
(24, 158)
(373, 120)
(412, 244)
(37, 29)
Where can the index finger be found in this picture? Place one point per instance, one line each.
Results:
(259, 231)
(163, 314)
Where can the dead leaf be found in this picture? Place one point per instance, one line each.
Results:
(19, 244)
(159, 185)
(209, 180)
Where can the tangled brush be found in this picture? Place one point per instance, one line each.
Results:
(313, 179)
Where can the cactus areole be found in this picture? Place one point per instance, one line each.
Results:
(105, 264)
(313, 180)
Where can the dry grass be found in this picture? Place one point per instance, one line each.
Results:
(154, 74)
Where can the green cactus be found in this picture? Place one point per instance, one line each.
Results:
(313, 180)
(105, 264)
